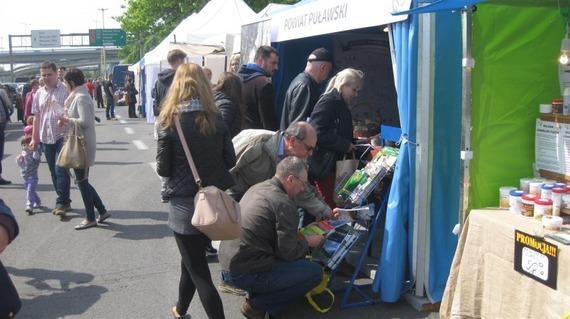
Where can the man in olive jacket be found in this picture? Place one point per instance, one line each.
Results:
(258, 153)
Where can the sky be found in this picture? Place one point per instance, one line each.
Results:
(68, 16)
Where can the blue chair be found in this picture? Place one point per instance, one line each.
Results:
(389, 133)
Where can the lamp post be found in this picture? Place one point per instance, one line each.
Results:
(103, 58)
(25, 27)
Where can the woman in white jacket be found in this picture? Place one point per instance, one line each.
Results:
(80, 110)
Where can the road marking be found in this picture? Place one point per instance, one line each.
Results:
(153, 165)
(140, 145)
(129, 130)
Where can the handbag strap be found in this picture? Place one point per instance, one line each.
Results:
(187, 152)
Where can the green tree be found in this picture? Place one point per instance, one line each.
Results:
(148, 22)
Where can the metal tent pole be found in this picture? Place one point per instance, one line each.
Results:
(466, 153)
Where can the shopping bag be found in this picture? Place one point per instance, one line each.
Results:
(318, 290)
(73, 154)
(344, 169)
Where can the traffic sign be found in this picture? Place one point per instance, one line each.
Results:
(46, 39)
(110, 37)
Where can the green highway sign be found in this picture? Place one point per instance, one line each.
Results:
(107, 37)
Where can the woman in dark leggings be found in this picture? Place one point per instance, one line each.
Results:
(190, 100)
(195, 275)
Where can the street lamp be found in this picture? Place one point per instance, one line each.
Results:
(103, 60)
(25, 27)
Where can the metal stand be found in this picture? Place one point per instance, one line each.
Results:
(352, 286)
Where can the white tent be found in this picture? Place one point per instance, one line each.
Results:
(215, 30)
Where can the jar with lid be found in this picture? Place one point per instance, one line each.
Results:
(542, 207)
(515, 201)
(557, 106)
(546, 191)
(527, 204)
(557, 193)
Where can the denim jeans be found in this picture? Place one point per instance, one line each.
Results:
(110, 111)
(59, 177)
(89, 195)
(279, 288)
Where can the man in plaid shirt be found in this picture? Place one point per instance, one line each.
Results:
(47, 105)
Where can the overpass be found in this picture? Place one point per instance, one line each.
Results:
(26, 60)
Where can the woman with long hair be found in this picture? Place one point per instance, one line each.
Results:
(81, 115)
(332, 120)
(228, 95)
(190, 100)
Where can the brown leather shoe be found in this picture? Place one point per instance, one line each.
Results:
(251, 313)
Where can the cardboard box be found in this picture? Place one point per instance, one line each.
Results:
(557, 118)
(554, 176)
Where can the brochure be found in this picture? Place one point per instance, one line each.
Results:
(362, 214)
(336, 245)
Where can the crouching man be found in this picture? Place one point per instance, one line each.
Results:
(268, 260)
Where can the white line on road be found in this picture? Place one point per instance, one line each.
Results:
(153, 165)
(129, 130)
(140, 145)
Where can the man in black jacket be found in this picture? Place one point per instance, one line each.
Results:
(258, 91)
(304, 92)
(175, 58)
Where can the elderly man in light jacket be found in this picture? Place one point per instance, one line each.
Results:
(258, 153)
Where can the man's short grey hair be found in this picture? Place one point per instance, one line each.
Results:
(297, 130)
(290, 165)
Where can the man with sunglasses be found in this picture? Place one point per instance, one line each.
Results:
(258, 153)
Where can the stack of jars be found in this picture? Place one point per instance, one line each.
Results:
(537, 197)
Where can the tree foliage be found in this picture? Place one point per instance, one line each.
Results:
(148, 22)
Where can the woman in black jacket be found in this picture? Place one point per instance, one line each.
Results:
(332, 120)
(190, 99)
(228, 95)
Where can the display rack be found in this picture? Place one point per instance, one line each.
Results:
(356, 188)
(363, 290)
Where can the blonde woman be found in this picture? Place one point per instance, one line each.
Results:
(332, 120)
(191, 100)
(234, 63)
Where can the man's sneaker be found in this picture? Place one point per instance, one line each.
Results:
(29, 210)
(211, 251)
(251, 313)
(61, 210)
(230, 289)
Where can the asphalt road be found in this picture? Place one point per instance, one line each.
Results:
(129, 266)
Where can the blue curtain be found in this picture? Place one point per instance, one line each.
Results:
(397, 242)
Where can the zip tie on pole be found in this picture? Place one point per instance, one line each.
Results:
(405, 140)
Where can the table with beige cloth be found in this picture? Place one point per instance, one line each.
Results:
(483, 282)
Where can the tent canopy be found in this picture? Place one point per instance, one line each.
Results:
(207, 31)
